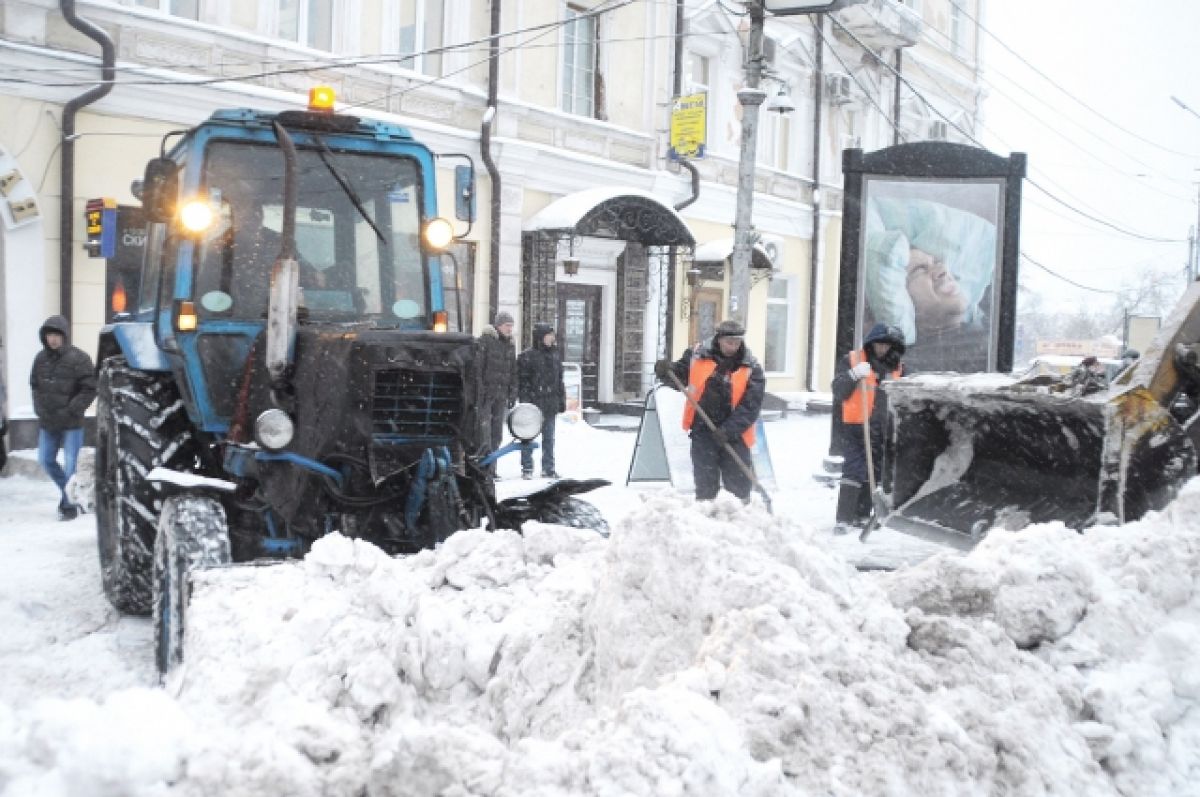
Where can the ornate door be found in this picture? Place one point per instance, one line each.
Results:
(579, 321)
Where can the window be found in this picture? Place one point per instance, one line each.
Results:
(188, 9)
(780, 321)
(421, 26)
(579, 63)
(309, 22)
(696, 78)
(774, 139)
(957, 29)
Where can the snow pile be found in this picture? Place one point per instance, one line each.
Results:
(701, 650)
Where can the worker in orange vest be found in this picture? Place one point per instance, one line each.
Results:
(856, 380)
(727, 382)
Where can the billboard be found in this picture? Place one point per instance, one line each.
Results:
(929, 247)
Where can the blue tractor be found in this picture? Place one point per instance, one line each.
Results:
(285, 368)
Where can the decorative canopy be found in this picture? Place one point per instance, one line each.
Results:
(622, 213)
(721, 249)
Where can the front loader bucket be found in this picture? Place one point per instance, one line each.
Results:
(962, 459)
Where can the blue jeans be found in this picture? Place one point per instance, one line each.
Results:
(547, 449)
(70, 441)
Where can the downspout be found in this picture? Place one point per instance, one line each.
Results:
(108, 59)
(677, 89)
(818, 21)
(485, 145)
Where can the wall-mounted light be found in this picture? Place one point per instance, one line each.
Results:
(693, 277)
(781, 103)
(571, 266)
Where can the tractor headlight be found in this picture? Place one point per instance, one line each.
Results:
(438, 234)
(197, 216)
(274, 429)
(525, 422)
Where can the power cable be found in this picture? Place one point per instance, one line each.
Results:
(1069, 94)
(1067, 280)
(973, 140)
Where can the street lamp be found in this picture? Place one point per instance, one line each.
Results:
(1193, 264)
(751, 98)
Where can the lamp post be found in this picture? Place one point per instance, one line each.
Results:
(751, 98)
(1193, 265)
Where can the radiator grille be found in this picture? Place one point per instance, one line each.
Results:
(416, 405)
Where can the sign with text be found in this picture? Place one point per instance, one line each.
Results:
(689, 126)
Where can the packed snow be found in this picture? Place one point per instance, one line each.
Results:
(701, 649)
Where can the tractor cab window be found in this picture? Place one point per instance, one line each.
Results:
(356, 224)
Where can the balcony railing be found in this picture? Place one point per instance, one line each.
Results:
(881, 23)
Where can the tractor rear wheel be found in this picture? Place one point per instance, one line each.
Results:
(141, 424)
(193, 534)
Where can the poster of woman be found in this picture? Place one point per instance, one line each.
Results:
(929, 255)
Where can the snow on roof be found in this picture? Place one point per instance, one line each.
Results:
(718, 250)
(565, 212)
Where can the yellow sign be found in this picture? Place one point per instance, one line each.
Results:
(689, 126)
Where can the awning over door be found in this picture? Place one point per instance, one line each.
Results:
(721, 249)
(621, 213)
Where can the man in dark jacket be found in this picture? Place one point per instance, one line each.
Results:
(495, 380)
(64, 384)
(727, 382)
(855, 387)
(540, 378)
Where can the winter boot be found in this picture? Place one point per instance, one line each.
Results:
(849, 496)
(526, 475)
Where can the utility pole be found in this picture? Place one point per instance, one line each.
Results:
(751, 99)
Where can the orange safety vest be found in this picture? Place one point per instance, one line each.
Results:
(852, 407)
(698, 374)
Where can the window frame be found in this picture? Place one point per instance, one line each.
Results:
(573, 16)
(302, 38)
(167, 7)
(417, 61)
(790, 308)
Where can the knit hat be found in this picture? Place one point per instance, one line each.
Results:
(730, 329)
(502, 318)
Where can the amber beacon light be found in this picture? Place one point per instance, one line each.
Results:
(321, 99)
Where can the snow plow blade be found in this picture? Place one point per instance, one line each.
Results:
(966, 456)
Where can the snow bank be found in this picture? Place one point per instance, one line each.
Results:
(701, 650)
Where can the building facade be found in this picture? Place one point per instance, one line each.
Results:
(585, 221)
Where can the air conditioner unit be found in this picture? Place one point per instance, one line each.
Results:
(773, 246)
(939, 130)
(837, 88)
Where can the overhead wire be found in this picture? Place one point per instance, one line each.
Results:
(1072, 96)
(970, 137)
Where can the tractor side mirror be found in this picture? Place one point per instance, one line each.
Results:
(160, 189)
(464, 193)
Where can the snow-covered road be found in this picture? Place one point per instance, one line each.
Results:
(709, 650)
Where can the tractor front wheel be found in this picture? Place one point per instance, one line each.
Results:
(141, 424)
(192, 535)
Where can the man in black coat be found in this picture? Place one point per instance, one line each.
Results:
(495, 380)
(540, 379)
(856, 379)
(64, 384)
(727, 382)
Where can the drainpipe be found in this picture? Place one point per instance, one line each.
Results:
(108, 59)
(677, 89)
(485, 145)
(818, 21)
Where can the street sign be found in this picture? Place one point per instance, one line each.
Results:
(689, 126)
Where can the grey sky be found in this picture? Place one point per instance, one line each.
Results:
(1124, 60)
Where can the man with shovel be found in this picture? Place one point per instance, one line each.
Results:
(725, 385)
(856, 381)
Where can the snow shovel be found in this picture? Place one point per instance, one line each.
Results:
(876, 501)
(746, 469)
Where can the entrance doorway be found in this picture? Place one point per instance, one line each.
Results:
(579, 309)
(706, 314)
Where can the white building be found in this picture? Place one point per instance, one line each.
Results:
(579, 140)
